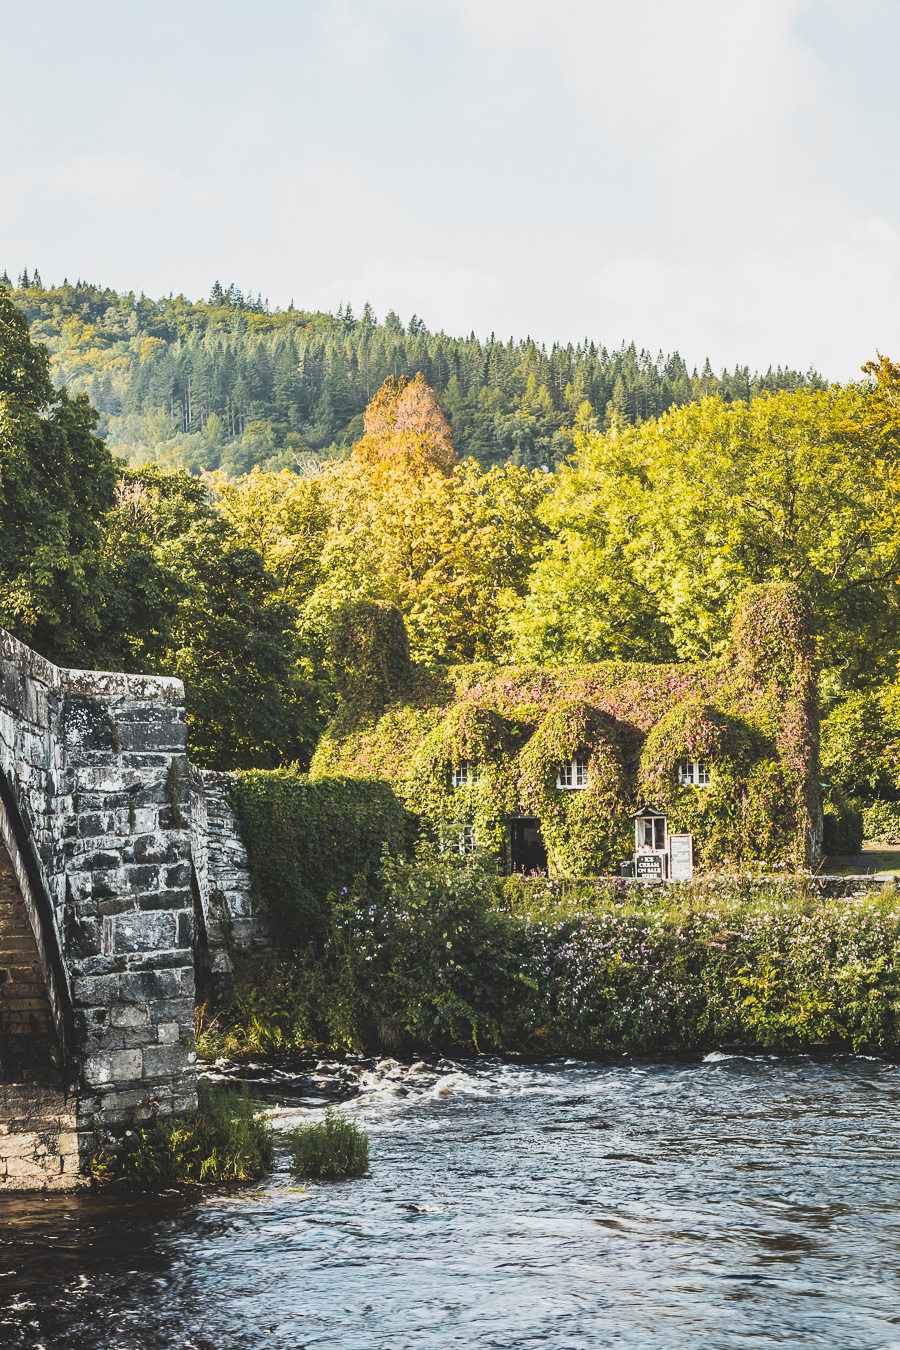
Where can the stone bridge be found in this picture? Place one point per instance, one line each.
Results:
(124, 893)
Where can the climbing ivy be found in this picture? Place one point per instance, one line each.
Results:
(751, 715)
(738, 815)
(369, 654)
(306, 840)
(485, 740)
(586, 830)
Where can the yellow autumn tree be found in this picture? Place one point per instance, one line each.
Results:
(402, 520)
(447, 543)
(406, 431)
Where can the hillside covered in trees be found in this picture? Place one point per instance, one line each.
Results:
(228, 383)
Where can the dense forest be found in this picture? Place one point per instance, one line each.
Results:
(228, 383)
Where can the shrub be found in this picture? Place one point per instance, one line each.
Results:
(430, 961)
(881, 822)
(224, 1139)
(844, 828)
(453, 970)
(307, 838)
(274, 1010)
(335, 1147)
(457, 960)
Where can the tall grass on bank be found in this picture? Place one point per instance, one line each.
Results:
(225, 1139)
(457, 958)
(334, 1147)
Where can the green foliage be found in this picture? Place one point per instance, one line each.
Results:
(752, 714)
(139, 571)
(844, 825)
(228, 383)
(879, 822)
(369, 654)
(225, 1139)
(277, 1009)
(450, 956)
(740, 814)
(586, 831)
(484, 739)
(307, 839)
(756, 962)
(861, 764)
(57, 480)
(186, 597)
(457, 959)
(427, 960)
(861, 743)
(657, 529)
(334, 1147)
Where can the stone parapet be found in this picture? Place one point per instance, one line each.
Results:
(95, 872)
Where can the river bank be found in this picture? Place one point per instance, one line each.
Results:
(448, 958)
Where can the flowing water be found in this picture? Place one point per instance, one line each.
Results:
(725, 1202)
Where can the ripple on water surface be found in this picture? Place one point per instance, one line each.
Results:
(731, 1202)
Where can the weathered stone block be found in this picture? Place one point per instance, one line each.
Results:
(145, 986)
(97, 1070)
(163, 899)
(96, 990)
(154, 848)
(129, 1015)
(29, 1170)
(144, 932)
(178, 877)
(126, 1065)
(141, 877)
(162, 1060)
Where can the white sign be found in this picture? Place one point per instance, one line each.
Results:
(681, 857)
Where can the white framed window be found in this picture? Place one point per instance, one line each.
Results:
(465, 774)
(693, 773)
(461, 842)
(574, 775)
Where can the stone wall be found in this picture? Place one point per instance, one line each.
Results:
(232, 927)
(94, 807)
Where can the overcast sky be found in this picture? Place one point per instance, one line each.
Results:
(708, 175)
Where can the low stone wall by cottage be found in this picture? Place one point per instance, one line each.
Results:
(825, 886)
(120, 878)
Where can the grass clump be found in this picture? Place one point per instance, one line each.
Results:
(224, 1139)
(334, 1147)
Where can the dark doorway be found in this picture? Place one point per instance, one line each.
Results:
(528, 851)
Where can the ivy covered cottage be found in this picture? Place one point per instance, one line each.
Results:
(551, 767)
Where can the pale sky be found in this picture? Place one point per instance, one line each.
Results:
(707, 175)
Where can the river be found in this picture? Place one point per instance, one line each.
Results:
(722, 1202)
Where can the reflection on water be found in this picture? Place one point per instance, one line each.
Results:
(733, 1202)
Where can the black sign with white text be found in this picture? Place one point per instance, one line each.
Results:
(649, 866)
